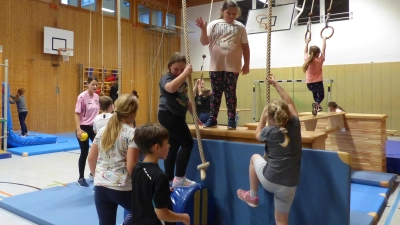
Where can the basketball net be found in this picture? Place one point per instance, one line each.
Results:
(65, 53)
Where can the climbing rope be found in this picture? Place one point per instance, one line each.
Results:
(90, 36)
(119, 47)
(328, 15)
(268, 57)
(202, 167)
(102, 51)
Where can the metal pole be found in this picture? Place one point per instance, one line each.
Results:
(5, 102)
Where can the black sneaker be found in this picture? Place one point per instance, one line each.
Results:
(231, 125)
(211, 123)
(82, 182)
(314, 108)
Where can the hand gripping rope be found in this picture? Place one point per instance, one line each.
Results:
(327, 22)
(202, 167)
(268, 68)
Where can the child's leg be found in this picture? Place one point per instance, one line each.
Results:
(319, 92)
(217, 88)
(106, 207)
(281, 218)
(22, 122)
(230, 80)
(257, 163)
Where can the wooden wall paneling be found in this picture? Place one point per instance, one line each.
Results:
(341, 85)
(358, 89)
(329, 72)
(376, 89)
(394, 88)
(385, 97)
(366, 87)
(350, 87)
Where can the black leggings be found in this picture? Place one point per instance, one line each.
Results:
(317, 90)
(84, 145)
(179, 137)
(107, 201)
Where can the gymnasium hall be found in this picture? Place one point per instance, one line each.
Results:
(211, 71)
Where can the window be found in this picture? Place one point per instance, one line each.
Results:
(84, 4)
(170, 21)
(70, 2)
(125, 9)
(340, 11)
(144, 14)
(109, 7)
(88, 4)
(156, 18)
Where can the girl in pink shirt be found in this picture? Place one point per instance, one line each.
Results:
(312, 67)
(86, 109)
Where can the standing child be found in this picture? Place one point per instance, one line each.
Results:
(150, 185)
(86, 109)
(280, 173)
(19, 99)
(172, 111)
(227, 41)
(202, 98)
(313, 60)
(112, 158)
(107, 108)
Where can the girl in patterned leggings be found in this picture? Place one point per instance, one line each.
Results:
(313, 60)
(227, 42)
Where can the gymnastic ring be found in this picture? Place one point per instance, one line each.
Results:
(307, 36)
(333, 31)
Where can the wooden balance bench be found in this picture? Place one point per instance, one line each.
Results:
(310, 139)
(335, 121)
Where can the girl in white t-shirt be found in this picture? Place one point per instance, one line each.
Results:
(112, 158)
(227, 41)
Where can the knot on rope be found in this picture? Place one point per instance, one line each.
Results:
(203, 166)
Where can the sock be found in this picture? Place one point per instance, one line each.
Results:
(253, 194)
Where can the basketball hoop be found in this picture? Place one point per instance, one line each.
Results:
(65, 53)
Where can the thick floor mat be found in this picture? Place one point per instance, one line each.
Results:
(64, 205)
(378, 179)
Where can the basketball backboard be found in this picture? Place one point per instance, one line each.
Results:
(282, 16)
(55, 39)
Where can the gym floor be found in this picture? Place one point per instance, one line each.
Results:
(43, 171)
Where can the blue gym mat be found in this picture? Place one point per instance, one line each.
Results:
(43, 149)
(360, 218)
(367, 202)
(371, 189)
(378, 179)
(393, 156)
(63, 205)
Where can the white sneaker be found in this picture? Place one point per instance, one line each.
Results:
(182, 182)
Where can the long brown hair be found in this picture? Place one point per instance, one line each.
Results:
(125, 106)
(279, 110)
(314, 51)
(230, 4)
(335, 106)
(176, 57)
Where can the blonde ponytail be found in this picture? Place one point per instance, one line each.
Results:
(314, 51)
(125, 106)
(279, 110)
(308, 62)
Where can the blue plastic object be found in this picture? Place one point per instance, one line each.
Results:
(196, 201)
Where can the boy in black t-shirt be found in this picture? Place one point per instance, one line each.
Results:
(151, 202)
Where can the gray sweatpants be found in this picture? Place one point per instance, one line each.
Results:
(283, 195)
